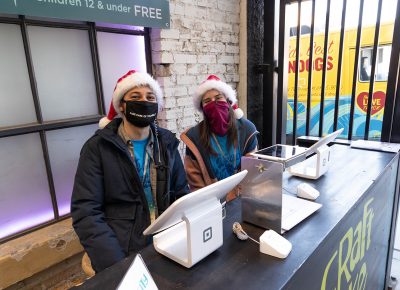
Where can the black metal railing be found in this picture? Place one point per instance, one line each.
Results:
(353, 71)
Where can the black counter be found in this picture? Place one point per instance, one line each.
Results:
(347, 242)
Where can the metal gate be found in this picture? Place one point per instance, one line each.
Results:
(334, 65)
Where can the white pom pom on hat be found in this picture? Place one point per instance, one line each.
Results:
(215, 83)
(127, 82)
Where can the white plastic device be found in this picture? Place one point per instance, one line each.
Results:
(304, 190)
(315, 166)
(273, 244)
(191, 228)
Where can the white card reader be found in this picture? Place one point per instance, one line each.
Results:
(273, 244)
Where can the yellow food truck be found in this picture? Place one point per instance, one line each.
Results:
(363, 79)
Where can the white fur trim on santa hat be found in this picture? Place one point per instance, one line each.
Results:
(136, 79)
(220, 86)
(104, 122)
(238, 113)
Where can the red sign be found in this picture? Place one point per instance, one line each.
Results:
(378, 101)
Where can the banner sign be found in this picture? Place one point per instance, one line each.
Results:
(148, 13)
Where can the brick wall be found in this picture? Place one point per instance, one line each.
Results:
(203, 40)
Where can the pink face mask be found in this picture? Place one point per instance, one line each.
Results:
(217, 114)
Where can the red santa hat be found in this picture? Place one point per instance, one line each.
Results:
(127, 82)
(214, 83)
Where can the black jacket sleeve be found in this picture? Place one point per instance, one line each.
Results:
(179, 185)
(87, 210)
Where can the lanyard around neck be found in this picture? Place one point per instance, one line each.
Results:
(146, 161)
(222, 152)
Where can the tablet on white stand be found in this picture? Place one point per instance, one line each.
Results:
(315, 166)
(301, 161)
(191, 228)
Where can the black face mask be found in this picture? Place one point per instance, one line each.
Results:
(141, 113)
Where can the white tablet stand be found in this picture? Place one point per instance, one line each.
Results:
(196, 237)
(314, 166)
(191, 228)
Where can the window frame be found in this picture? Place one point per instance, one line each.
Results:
(380, 47)
(41, 126)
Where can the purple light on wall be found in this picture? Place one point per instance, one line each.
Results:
(120, 26)
(118, 54)
(13, 226)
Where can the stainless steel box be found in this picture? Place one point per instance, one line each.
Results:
(261, 193)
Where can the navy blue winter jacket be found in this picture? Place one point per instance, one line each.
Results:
(108, 206)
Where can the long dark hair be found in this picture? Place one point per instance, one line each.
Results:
(205, 133)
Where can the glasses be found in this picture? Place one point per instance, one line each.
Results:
(216, 98)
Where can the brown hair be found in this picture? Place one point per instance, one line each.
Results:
(205, 133)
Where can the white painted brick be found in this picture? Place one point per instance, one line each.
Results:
(187, 1)
(184, 102)
(161, 70)
(224, 27)
(187, 23)
(196, 35)
(225, 37)
(204, 25)
(172, 126)
(203, 40)
(216, 15)
(188, 112)
(179, 9)
(186, 123)
(192, 89)
(180, 91)
(195, 12)
(232, 68)
(178, 68)
(186, 80)
(162, 57)
(201, 78)
(185, 34)
(232, 49)
(216, 47)
(216, 69)
(184, 58)
(235, 38)
(207, 35)
(188, 46)
(236, 28)
(166, 45)
(169, 114)
(169, 102)
(176, 91)
(230, 6)
(166, 82)
(232, 17)
(207, 3)
(232, 78)
(226, 59)
(196, 68)
(210, 58)
(169, 33)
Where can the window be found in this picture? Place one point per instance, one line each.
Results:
(382, 64)
(54, 97)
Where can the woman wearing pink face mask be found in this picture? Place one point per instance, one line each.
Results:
(215, 146)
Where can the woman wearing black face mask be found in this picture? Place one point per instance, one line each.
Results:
(128, 174)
